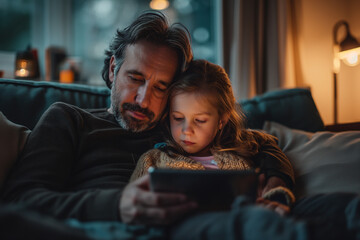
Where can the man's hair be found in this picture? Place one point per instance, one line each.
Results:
(151, 26)
(211, 80)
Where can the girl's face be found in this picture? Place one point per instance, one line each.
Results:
(194, 122)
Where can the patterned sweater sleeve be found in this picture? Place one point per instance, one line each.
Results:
(273, 161)
(147, 160)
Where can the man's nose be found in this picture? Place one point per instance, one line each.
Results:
(143, 96)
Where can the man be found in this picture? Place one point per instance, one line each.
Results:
(77, 163)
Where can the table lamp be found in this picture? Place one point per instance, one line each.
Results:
(348, 51)
(26, 65)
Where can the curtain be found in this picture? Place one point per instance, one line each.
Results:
(260, 51)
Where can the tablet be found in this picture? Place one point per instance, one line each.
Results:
(212, 189)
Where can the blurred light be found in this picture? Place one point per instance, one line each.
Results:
(159, 4)
(183, 6)
(201, 34)
(350, 57)
(202, 51)
(104, 13)
(26, 65)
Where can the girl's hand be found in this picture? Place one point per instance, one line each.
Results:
(275, 206)
(264, 186)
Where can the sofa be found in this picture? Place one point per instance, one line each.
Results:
(323, 161)
(318, 156)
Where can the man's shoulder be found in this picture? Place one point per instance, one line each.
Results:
(69, 107)
(61, 110)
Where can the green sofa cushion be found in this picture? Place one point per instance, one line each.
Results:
(24, 101)
(294, 108)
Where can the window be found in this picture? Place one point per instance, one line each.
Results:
(84, 28)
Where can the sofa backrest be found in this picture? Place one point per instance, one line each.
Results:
(24, 101)
(294, 108)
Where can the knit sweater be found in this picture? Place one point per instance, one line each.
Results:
(225, 160)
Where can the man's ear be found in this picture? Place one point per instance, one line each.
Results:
(112, 69)
(223, 121)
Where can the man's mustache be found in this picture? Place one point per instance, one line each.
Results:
(137, 108)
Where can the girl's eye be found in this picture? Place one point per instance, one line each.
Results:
(200, 121)
(178, 119)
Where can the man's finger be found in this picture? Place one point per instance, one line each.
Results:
(165, 216)
(161, 199)
(143, 182)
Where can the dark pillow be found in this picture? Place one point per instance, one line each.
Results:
(24, 101)
(294, 108)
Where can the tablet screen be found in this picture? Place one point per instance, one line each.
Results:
(212, 189)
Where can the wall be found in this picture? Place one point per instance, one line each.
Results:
(315, 19)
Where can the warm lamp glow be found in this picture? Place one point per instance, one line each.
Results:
(159, 4)
(22, 73)
(350, 57)
(23, 68)
(66, 76)
(26, 64)
(348, 50)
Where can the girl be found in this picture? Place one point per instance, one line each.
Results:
(205, 131)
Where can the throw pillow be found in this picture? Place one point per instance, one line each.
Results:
(323, 161)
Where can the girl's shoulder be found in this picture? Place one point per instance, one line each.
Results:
(260, 135)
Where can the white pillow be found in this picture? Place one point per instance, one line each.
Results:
(323, 161)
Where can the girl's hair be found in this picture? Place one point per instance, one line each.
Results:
(203, 77)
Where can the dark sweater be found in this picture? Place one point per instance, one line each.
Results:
(76, 164)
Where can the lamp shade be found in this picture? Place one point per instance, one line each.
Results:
(348, 50)
(349, 43)
(349, 47)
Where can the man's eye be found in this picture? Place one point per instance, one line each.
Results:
(139, 80)
(161, 89)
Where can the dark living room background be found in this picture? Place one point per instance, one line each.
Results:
(82, 29)
(263, 45)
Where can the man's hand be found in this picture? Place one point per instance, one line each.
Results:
(141, 206)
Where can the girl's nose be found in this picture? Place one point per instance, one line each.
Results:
(187, 128)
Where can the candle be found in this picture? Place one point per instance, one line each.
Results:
(66, 76)
(22, 73)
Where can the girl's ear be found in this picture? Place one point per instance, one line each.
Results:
(112, 69)
(223, 121)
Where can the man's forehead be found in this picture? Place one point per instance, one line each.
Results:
(149, 59)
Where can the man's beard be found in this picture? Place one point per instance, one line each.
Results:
(128, 122)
